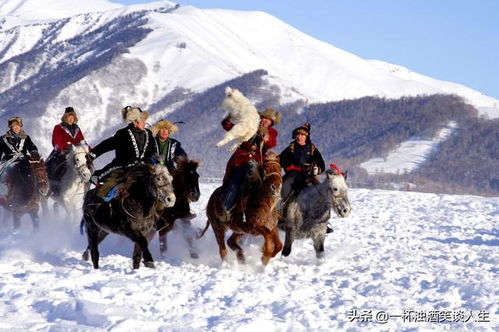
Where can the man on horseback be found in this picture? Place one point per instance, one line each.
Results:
(239, 166)
(170, 149)
(133, 145)
(64, 135)
(302, 162)
(15, 145)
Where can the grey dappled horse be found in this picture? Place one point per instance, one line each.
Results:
(307, 215)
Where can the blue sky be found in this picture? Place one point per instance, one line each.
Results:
(452, 40)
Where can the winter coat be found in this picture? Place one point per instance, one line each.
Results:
(249, 149)
(301, 158)
(65, 135)
(130, 145)
(169, 151)
(12, 144)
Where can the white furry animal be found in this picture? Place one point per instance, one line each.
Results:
(242, 114)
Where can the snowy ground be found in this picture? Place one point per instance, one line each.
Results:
(434, 255)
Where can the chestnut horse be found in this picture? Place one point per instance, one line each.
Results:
(133, 212)
(186, 188)
(27, 182)
(255, 214)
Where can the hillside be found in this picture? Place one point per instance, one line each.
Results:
(174, 60)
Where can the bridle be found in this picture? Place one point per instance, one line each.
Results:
(268, 175)
(35, 170)
(80, 169)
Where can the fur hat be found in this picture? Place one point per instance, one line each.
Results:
(15, 120)
(172, 128)
(67, 112)
(304, 130)
(272, 115)
(130, 114)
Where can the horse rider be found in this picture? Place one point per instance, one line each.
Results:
(133, 145)
(170, 149)
(65, 134)
(240, 164)
(302, 162)
(15, 145)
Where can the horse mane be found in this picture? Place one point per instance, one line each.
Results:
(184, 165)
(138, 188)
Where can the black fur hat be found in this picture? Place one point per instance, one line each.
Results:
(304, 129)
(67, 112)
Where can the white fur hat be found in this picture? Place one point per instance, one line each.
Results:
(131, 114)
(172, 128)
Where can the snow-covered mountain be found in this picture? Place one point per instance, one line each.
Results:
(99, 56)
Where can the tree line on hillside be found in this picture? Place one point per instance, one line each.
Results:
(349, 132)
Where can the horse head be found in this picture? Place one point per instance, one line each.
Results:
(339, 191)
(162, 186)
(38, 170)
(272, 181)
(77, 158)
(186, 179)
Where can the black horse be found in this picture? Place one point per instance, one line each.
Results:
(186, 187)
(27, 182)
(133, 213)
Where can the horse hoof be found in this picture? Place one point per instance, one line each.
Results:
(85, 256)
(194, 255)
(149, 265)
(286, 252)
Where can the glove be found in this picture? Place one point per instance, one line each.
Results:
(315, 170)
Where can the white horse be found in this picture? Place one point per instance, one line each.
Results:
(307, 215)
(74, 183)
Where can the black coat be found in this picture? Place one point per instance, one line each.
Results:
(300, 158)
(130, 145)
(12, 144)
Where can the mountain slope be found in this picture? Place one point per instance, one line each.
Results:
(169, 59)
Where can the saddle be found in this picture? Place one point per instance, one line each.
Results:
(107, 191)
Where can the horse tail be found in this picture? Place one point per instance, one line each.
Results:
(82, 226)
(200, 235)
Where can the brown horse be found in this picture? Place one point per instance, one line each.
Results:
(27, 181)
(186, 188)
(255, 214)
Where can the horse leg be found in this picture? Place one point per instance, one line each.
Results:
(268, 247)
(36, 220)
(101, 236)
(93, 244)
(219, 231)
(163, 237)
(17, 220)
(277, 241)
(233, 243)
(141, 250)
(288, 241)
(319, 245)
(45, 206)
(189, 236)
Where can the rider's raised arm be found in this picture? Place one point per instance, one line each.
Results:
(106, 145)
(30, 146)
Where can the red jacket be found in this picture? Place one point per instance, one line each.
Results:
(249, 150)
(62, 138)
